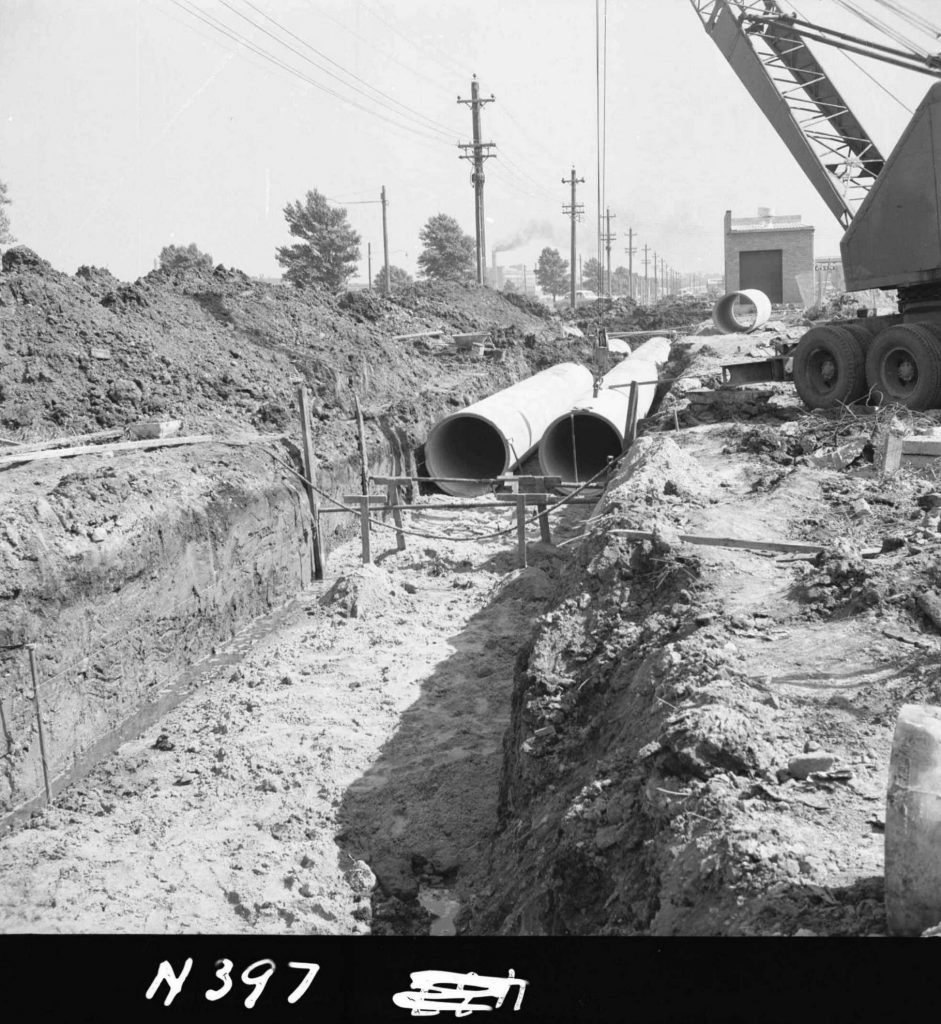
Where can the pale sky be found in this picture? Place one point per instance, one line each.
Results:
(126, 125)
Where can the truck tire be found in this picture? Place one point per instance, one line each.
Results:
(903, 366)
(830, 367)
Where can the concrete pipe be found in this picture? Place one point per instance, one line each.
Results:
(732, 321)
(578, 444)
(493, 435)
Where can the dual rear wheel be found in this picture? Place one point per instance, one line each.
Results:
(840, 364)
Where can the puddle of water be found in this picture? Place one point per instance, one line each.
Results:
(442, 904)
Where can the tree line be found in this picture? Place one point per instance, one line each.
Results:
(327, 251)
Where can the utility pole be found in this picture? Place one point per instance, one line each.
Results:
(525, 290)
(385, 244)
(630, 262)
(608, 237)
(369, 266)
(646, 284)
(575, 211)
(479, 151)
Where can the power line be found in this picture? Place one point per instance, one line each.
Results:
(386, 56)
(432, 126)
(218, 26)
(446, 128)
(452, 66)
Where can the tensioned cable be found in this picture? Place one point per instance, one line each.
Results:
(244, 41)
(445, 132)
(450, 66)
(386, 56)
(439, 536)
(913, 19)
(411, 110)
(877, 23)
(871, 77)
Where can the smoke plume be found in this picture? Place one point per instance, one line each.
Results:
(532, 229)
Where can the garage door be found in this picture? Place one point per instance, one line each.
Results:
(762, 270)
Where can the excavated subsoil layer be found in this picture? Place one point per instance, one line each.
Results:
(339, 758)
(649, 785)
(125, 572)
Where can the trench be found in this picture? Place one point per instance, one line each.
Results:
(425, 845)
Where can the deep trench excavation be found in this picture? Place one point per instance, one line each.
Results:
(336, 778)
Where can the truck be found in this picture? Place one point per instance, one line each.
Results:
(889, 207)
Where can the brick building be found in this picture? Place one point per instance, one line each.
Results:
(768, 253)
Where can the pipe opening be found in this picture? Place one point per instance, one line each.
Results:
(465, 446)
(741, 311)
(595, 442)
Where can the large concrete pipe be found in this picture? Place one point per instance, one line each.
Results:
(578, 444)
(492, 435)
(726, 317)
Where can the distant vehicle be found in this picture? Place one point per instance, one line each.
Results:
(582, 296)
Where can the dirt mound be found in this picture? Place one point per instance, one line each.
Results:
(363, 594)
(663, 715)
(624, 314)
(218, 349)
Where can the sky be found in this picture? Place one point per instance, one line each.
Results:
(128, 125)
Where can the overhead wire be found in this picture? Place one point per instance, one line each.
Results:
(243, 40)
(411, 110)
(381, 99)
(386, 56)
(877, 23)
(912, 18)
(452, 63)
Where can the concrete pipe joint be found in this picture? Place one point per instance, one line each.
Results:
(491, 436)
(754, 311)
(578, 444)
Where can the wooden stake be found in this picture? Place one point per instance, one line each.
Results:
(364, 501)
(521, 528)
(361, 432)
(630, 428)
(544, 524)
(34, 672)
(320, 560)
(394, 503)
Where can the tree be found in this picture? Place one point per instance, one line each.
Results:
(508, 286)
(5, 236)
(182, 257)
(621, 281)
(448, 254)
(551, 272)
(329, 251)
(398, 278)
(593, 276)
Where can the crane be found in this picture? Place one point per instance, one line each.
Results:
(889, 207)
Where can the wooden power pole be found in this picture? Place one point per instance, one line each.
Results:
(385, 243)
(608, 238)
(575, 211)
(630, 262)
(478, 151)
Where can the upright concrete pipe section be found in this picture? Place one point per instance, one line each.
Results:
(725, 317)
(578, 444)
(493, 435)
